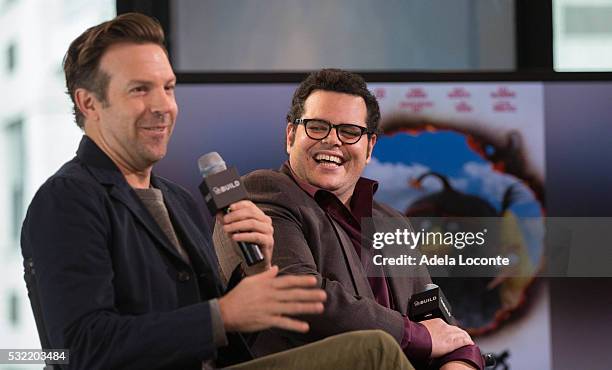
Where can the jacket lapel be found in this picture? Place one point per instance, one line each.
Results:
(360, 281)
(351, 259)
(401, 290)
(201, 252)
(401, 286)
(129, 198)
(106, 173)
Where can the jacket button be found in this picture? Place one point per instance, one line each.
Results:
(184, 276)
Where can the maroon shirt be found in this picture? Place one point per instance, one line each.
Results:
(416, 341)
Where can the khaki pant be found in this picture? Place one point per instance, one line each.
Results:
(358, 350)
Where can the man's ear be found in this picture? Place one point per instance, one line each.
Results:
(371, 143)
(87, 103)
(290, 136)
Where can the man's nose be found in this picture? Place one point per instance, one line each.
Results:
(332, 138)
(162, 102)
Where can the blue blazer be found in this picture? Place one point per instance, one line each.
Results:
(112, 287)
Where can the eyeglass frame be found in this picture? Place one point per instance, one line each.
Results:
(304, 121)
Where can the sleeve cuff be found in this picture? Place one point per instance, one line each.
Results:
(416, 341)
(468, 354)
(219, 336)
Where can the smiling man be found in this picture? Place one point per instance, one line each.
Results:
(317, 201)
(122, 259)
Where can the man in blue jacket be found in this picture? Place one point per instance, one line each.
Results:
(125, 270)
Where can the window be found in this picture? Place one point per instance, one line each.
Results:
(366, 35)
(13, 308)
(11, 57)
(582, 32)
(16, 174)
(6, 4)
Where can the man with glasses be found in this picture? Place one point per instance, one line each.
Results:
(316, 202)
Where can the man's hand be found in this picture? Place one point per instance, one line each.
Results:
(247, 223)
(457, 365)
(264, 300)
(445, 338)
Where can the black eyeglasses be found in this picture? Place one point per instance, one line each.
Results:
(318, 129)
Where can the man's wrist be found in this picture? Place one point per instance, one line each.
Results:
(255, 269)
(468, 355)
(416, 341)
(219, 335)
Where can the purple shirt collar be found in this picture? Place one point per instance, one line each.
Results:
(361, 200)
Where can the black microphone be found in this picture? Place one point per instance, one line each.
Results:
(220, 187)
(430, 304)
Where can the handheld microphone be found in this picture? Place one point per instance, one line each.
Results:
(430, 304)
(220, 187)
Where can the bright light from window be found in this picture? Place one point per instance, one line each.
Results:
(582, 35)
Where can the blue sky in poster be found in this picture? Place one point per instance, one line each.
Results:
(402, 157)
(427, 148)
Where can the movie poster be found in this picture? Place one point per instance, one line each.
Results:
(468, 150)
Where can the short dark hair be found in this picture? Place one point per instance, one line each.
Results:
(336, 80)
(82, 60)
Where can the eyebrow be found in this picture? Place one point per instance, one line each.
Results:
(149, 83)
(341, 123)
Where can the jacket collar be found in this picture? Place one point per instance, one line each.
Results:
(106, 172)
(363, 184)
(99, 164)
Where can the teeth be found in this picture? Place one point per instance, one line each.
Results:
(329, 158)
